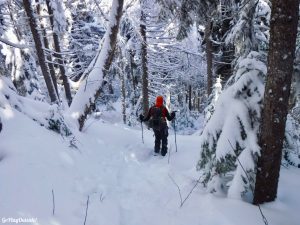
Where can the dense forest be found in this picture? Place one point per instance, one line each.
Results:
(228, 70)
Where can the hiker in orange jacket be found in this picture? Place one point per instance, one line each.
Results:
(157, 115)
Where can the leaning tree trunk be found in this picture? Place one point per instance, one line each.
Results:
(58, 55)
(145, 89)
(209, 56)
(39, 50)
(46, 45)
(283, 30)
(89, 90)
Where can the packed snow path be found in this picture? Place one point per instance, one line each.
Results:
(125, 183)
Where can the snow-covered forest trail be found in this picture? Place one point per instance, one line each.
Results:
(125, 183)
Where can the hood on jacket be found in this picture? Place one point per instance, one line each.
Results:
(159, 101)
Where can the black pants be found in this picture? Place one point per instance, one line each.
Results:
(161, 138)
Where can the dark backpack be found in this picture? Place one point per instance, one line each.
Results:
(156, 120)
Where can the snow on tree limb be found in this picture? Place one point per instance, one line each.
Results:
(7, 42)
(91, 87)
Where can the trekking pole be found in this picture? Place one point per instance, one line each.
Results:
(175, 133)
(142, 132)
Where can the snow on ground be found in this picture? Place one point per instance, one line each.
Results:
(125, 183)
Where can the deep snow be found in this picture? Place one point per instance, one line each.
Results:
(127, 185)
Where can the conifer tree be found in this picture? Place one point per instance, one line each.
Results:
(229, 139)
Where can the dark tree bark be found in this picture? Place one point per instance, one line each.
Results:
(46, 44)
(190, 97)
(145, 89)
(39, 50)
(49, 58)
(59, 56)
(198, 101)
(133, 78)
(224, 68)
(283, 30)
(209, 56)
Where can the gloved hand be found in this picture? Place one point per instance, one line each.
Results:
(141, 117)
(173, 114)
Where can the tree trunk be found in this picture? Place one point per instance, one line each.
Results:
(145, 89)
(131, 54)
(209, 56)
(39, 50)
(190, 97)
(133, 78)
(224, 68)
(84, 101)
(283, 30)
(123, 97)
(198, 103)
(46, 44)
(59, 56)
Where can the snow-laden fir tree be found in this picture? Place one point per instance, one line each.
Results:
(229, 140)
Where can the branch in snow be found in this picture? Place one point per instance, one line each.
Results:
(191, 191)
(179, 191)
(53, 203)
(182, 201)
(87, 208)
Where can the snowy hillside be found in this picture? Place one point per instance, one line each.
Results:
(125, 183)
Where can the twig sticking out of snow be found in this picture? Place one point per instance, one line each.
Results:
(102, 197)
(53, 203)
(73, 143)
(179, 191)
(87, 208)
(197, 182)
